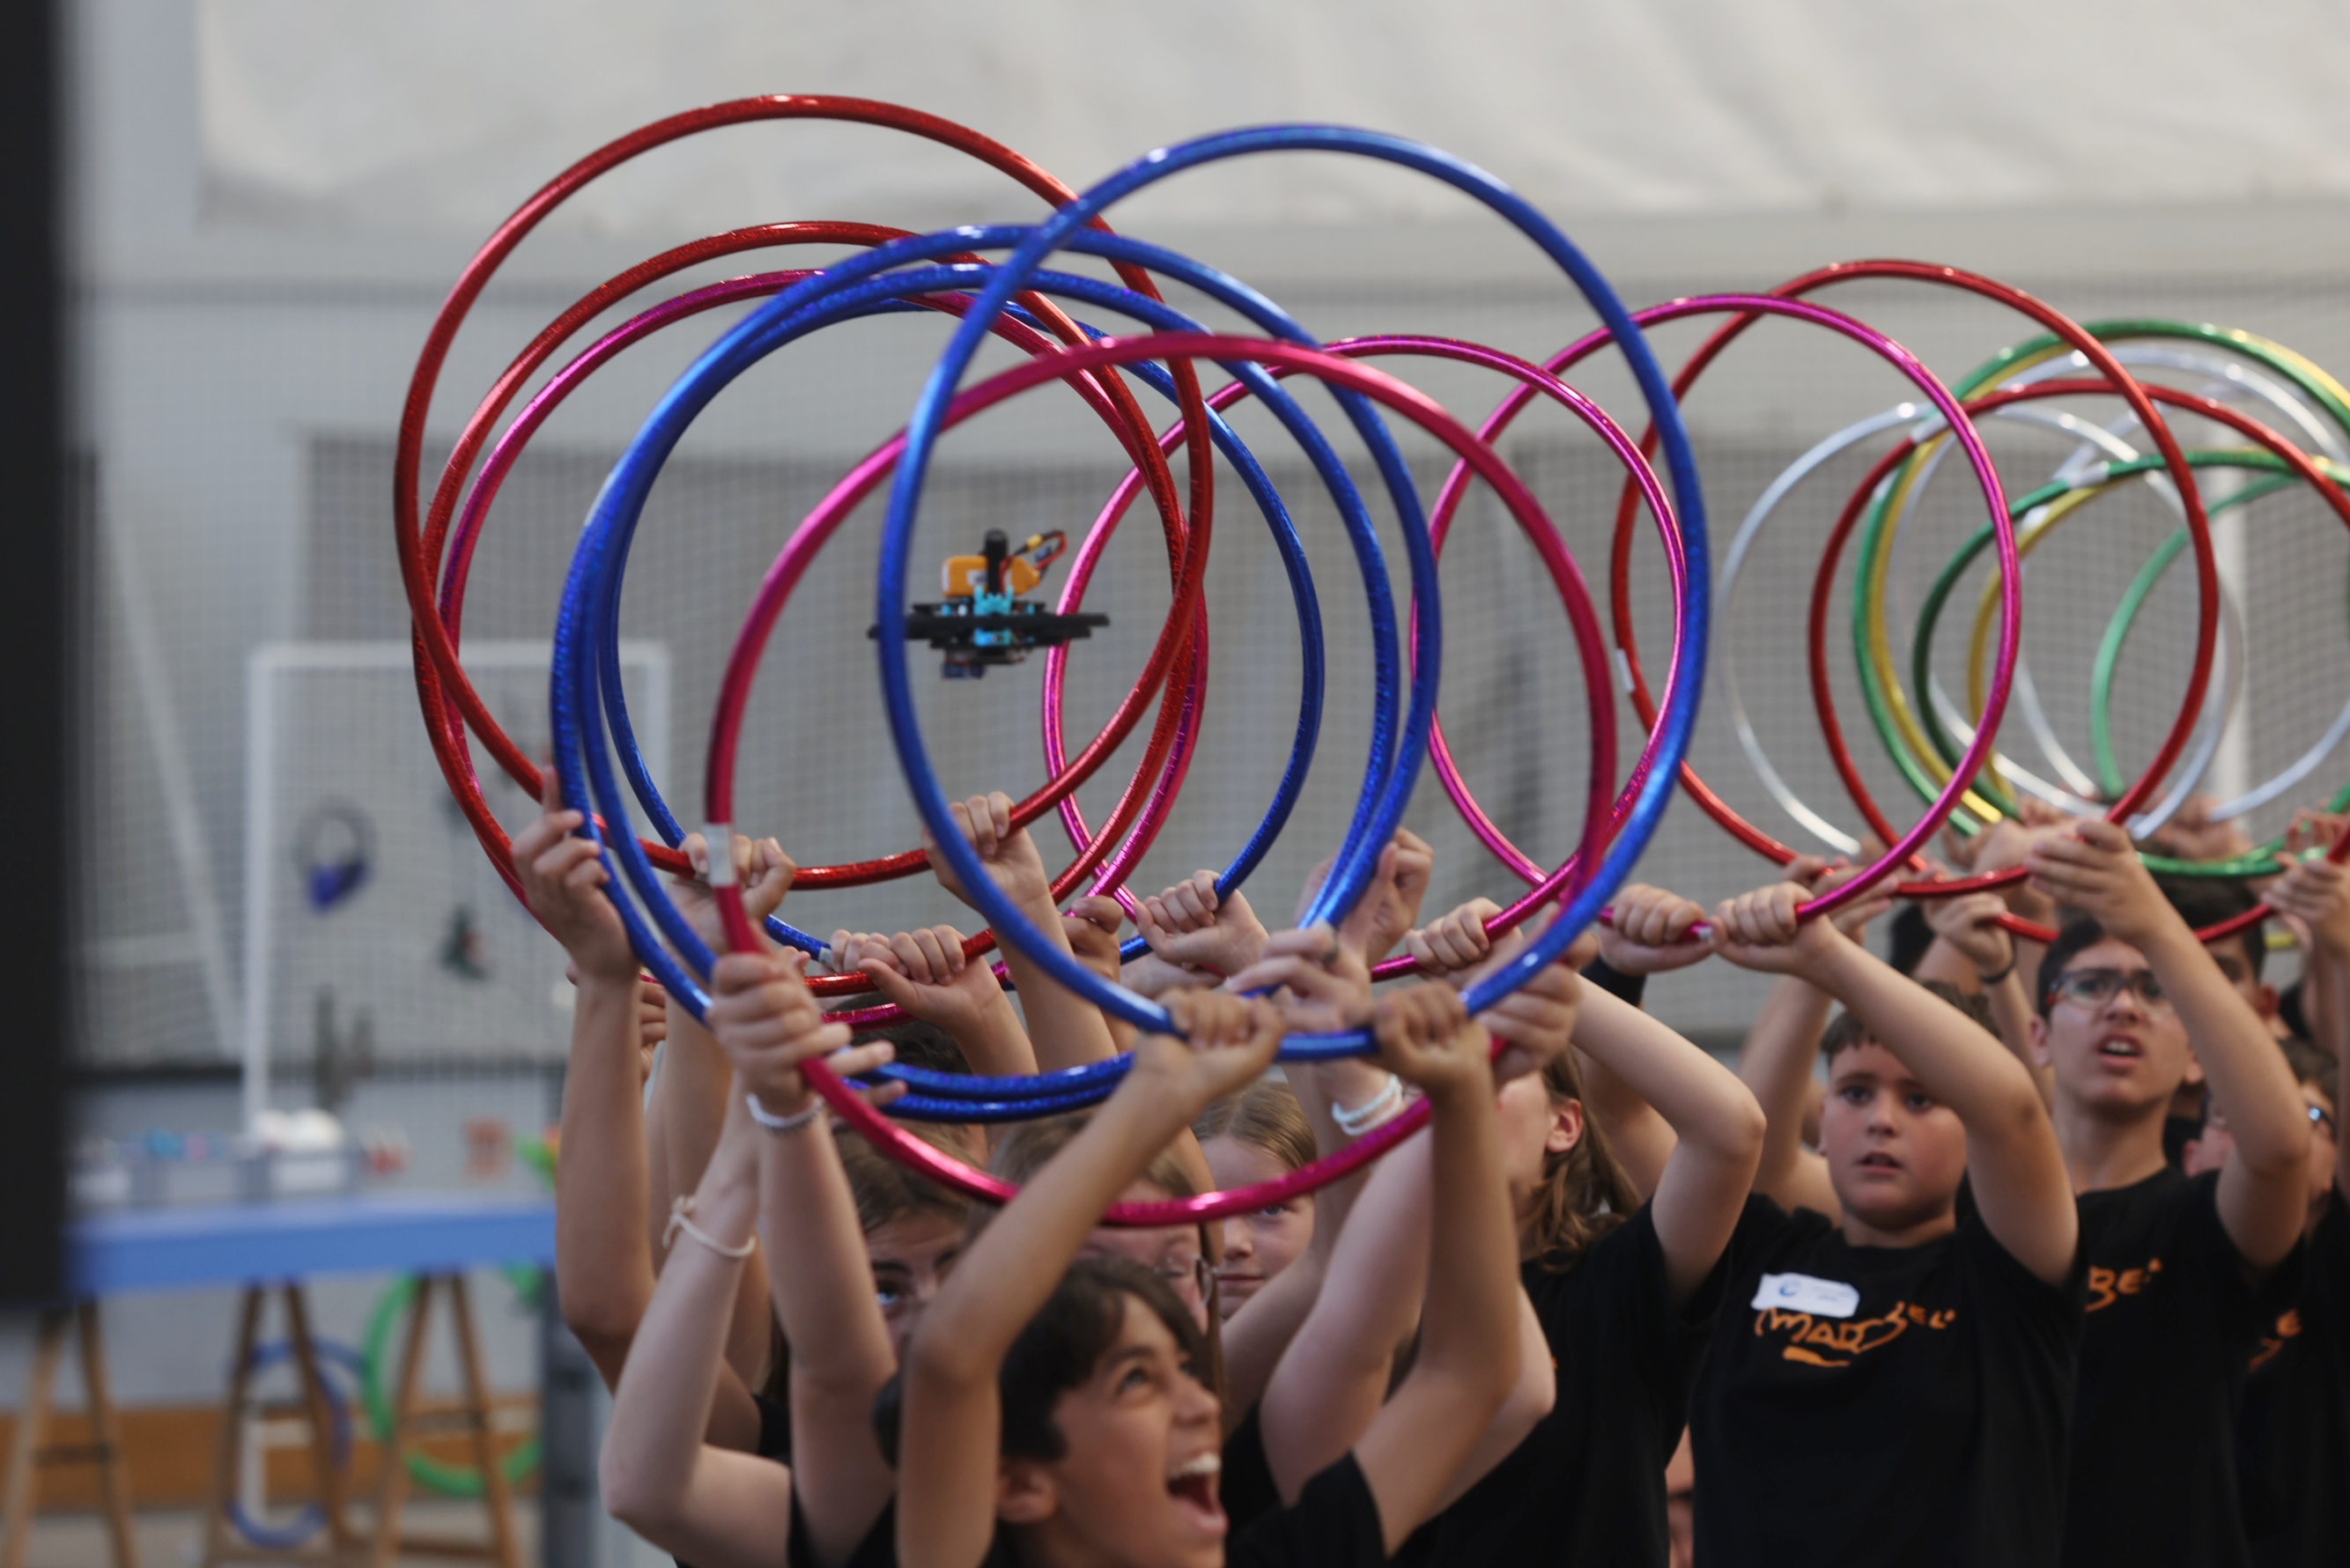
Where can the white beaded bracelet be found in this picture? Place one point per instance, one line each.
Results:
(681, 1218)
(1359, 1120)
(790, 1124)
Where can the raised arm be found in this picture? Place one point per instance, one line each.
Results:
(1648, 933)
(2020, 1184)
(2262, 1196)
(1967, 927)
(951, 1428)
(1469, 1337)
(1780, 1054)
(926, 974)
(603, 1263)
(2316, 894)
(689, 1097)
(1092, 924)
(819, 1271)
(717, 1507)
(1066, 1029)
(1720, 1130)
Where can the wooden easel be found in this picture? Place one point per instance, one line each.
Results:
(470, 1413)
(27, 1455)
(410, 1421)
(222, 1542)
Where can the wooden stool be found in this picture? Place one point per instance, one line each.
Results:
(26, 1455)
(222, 1543)
(410, 1420)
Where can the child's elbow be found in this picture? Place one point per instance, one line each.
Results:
(631, 1496)
(601, 1327)
(1745, 1130)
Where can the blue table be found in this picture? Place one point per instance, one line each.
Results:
(248, 1243)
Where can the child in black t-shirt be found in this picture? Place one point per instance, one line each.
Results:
(2182, 1271)
(1050, 1412)
(1889, 1381)
(2293, 1441)
(1619, 1287)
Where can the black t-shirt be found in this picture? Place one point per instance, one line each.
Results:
(1246, 1488)
(1336, 1524)
(2173, 1322)
(1882, 1405)
(1588, 1483)
(774, 1429)
(2293, 1452)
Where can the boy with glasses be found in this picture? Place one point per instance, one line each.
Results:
(2184, 1272)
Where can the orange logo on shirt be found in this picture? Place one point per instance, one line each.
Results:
(2108, 1285)
(1826, 1341)
(2288, 1327)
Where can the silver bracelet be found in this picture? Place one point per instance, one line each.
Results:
(1355, 1123)
(681, 1218)
(790, 1124)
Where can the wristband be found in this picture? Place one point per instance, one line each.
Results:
(1989, 980)
(1359, 1120)
(681, 1218)
(780, 1125)
(1630, 988)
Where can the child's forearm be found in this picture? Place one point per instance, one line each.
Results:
(1934, 1040)
(689, 1101)
(821, 1280)
(1066, 1030)
(603, 1267)
(2010, 1020)
(1018, 1260)
(1722, 1128)
(2247, 1072)
(1776, 1066)
(662, 1404)
(1332, 1382)
(994, 1043)
(1468, 1325)
(1702, 1099)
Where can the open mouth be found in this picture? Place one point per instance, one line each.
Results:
(1877, 1161)
(1193, 1484)
(2120, 1048)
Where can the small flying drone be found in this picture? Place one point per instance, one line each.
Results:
(982, 622)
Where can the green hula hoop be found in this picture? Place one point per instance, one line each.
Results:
(2308, 377)
(2262, 861)
(433, 1475)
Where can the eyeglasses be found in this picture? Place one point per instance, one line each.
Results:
(1190, 1278)
(2095, 987)
(2321, 1118)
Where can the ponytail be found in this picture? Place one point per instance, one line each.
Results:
(1584, 1193)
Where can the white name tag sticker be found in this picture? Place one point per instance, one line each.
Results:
(1802, 1292)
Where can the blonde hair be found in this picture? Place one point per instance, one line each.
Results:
(1584, 1193)
(1265, 1116)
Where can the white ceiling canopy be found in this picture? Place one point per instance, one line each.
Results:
(443, 114)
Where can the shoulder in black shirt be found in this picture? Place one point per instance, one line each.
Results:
(1588, 1483)
(2293, 1452)
(2174, 1319)
(1879, 1404)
